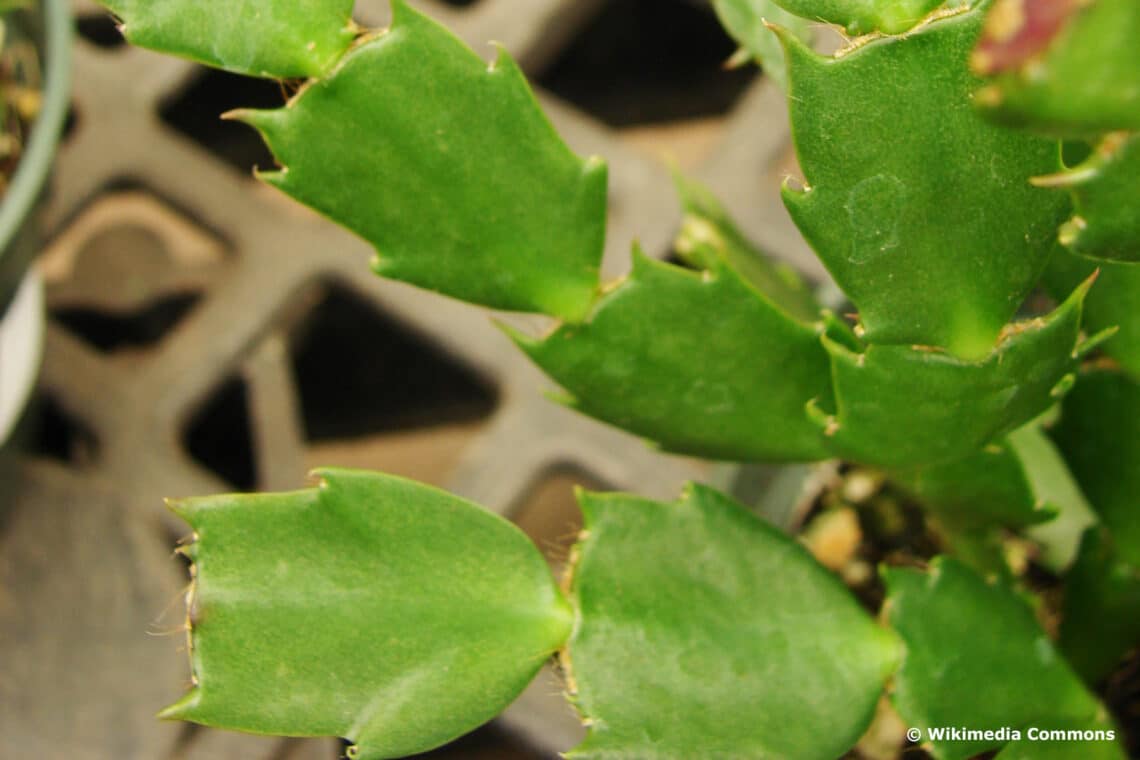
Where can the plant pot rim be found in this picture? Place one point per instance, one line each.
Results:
(21, 346)
(35, 165)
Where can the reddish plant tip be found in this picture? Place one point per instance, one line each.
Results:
(1017, 31)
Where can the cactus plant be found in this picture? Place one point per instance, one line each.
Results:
(940, 194)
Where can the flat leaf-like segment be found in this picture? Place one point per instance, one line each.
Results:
(1056, 489)
(280, 39)
(1106, 194)
(1018, 482)
(989, 488)
(1101, 620)
(372, 607)
(903, 406)
(449, 168)
(1099, 433)
(920, 209)
(706, 633)
(864, 16)
(1113, 303)
(709, 238)
(976, 658)
(1088, 740)
(1067, 67)
(698, 362)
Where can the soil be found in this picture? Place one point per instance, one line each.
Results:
(20, 91)
(859, 522)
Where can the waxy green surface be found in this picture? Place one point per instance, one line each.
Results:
(706, 632)
(1101, 617)
(280, 39)
(709, 238)
(976, 657)
(401, 617)
(698, 362)
(1068, 749)
(1084, 81)
(373, 608)
(1106, 195)
(982, 490)
(1099, 433)
(864, 16)
(1056, 490)
(1020, 481)
(448, 167)
(746, 21)
(1113, 302)
(920, 208)
(900, 407)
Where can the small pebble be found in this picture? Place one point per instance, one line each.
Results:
(834, 537)
(859, 486)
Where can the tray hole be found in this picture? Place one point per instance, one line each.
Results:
(197, 111)
(110, 332)
(650, 62)
(55, 434)
(219, 436)
(548, 513)
(359, 373)
(100, 29)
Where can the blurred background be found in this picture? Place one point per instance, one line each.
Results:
(206, 334)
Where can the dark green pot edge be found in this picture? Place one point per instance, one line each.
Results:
(19, 242)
